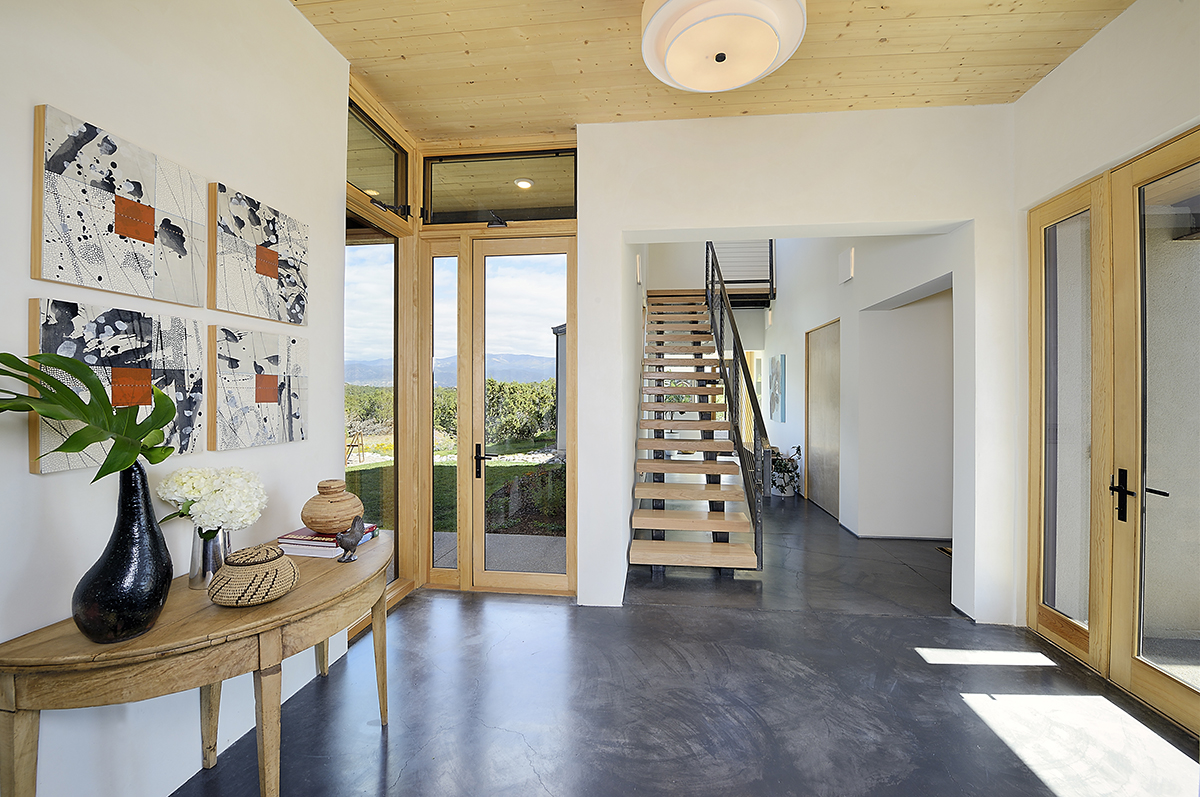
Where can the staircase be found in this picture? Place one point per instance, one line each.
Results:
(693, 456)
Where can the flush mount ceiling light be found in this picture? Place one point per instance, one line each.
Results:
(717, 45)
(523, 182)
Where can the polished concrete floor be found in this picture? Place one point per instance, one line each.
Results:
(839, 670)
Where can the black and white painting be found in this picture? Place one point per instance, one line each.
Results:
(116, 216)
(129, 351)
(261, 266)
(260, 388)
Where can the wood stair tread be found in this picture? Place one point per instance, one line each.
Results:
(691, 520)
(683, 426)
(682, 406)
(681, 326)
(699, 390)
(705, 466)
(692, 554)
(665, 349)
(668, 444)
(685, 337)
(681, 376)
(680, 362)
(676, 491)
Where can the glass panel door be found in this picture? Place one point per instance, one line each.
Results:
(370, 312)
(1156, 594)
(520, 386)
(1070, 288)
(445, 414)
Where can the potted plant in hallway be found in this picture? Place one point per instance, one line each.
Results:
(122, 594)
(785, 472)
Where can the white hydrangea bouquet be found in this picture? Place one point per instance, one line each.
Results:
(216, 499)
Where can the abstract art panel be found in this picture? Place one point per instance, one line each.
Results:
(259, 258)
(259, 392)
(131, 352)
(115, 216)
(778, 387)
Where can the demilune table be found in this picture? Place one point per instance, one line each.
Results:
(194, 644)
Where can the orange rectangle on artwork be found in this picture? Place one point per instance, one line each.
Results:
(266, 389)
(266, 262)
(134, 220)
(131, 387)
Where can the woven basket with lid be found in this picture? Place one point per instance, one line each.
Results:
(253, 576)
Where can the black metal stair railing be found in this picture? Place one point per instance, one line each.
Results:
(746, 426)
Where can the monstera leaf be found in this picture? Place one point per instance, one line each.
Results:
(101, 420)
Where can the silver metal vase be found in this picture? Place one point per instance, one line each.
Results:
(207, 558)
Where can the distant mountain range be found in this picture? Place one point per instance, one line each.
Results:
(504, 367)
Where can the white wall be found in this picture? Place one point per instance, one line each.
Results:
(890, 271)
(906, 419)
(244, 91)
(1134, 85)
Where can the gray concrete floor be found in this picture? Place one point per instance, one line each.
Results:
(817, 676)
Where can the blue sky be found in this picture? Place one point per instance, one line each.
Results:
(526, 296)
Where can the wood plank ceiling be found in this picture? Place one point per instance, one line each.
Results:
(453, 70)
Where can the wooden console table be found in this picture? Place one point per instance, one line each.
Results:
(194, 644)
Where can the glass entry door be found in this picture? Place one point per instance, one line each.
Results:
(521, 474)
(1156, 490)
(1071, 422)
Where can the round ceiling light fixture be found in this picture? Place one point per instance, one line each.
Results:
(716, 45)
(523, 182)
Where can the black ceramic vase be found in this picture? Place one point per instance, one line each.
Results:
(121, 596)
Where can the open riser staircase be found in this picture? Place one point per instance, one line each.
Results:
(691, 455)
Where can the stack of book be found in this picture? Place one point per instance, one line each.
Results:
(306, 542)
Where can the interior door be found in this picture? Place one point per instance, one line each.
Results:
(823, 416)
(521, 444)
(1156, 477)
(1071, 421)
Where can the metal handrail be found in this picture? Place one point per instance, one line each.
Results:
(755, 461)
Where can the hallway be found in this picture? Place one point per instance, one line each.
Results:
(839, 670)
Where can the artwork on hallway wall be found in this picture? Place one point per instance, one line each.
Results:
(130, 351)
(113, 216)
(777, 387)
(259, 258)
(259, 393)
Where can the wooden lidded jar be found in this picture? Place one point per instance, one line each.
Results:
(332, 509)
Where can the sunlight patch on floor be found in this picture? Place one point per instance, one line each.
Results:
(1006, 658)
(1084, 746)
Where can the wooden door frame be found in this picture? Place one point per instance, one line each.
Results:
(1088, 643)
(807, 404)
(1167, 694)
(462, 241)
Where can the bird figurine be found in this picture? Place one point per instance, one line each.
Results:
(349, 539)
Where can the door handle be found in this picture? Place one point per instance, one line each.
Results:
(1121, 488)
(479, 458)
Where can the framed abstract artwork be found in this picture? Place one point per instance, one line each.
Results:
(111, 215)
(130, 351)
(259, 393)
(258, 258)
(778, 387)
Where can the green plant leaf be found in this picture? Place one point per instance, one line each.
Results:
(123, 454)
(157, 454)
(82, 439)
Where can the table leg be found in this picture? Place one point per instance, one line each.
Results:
(267, 699)
(18, 752)
(379, 635)
(322, 649)
(210, 709)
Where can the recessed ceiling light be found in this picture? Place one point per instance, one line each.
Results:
(370, 192)
(523, 182)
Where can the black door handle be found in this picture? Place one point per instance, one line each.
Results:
(1121, 488)
(479, 458)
